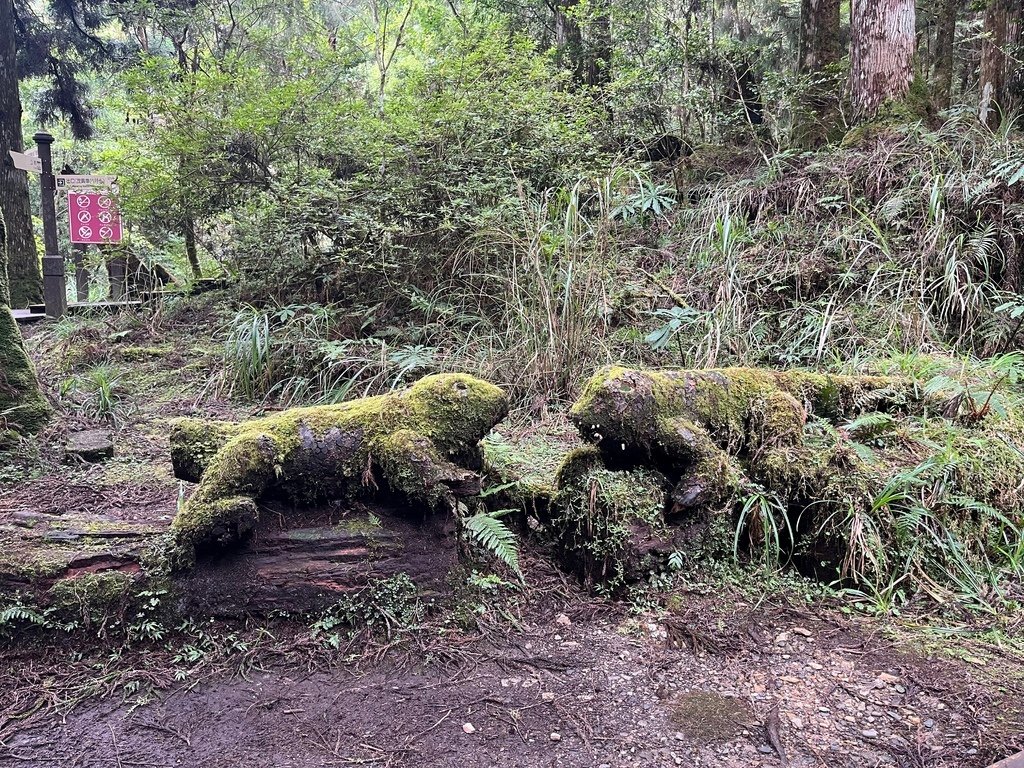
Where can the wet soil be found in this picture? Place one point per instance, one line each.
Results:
(715, 683)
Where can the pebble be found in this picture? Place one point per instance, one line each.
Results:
(562, 620)
(801, 631)
(764, 749)
(929, 723)
(547, 696)
(556, 736)
(468, 728)
(870, 733)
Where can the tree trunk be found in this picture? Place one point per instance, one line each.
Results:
(23, 269)
(569, 40)
(881, 53)
(819, 49)
(1001, 75)
(22, 406)
(599, 58)
(819, 34)
(190, 249)
(945, 38)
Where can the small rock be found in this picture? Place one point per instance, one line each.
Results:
(929, 723)
(556, 736)
(547, 696)
(468, 728)
(885, 677)
(801, 631)
(92, 445)
(562, 620)
(870, 733)
(815, 665)
(764, 749)
(782, 638)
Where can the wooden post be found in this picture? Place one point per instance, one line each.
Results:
(78, 251)
(116, 269)
(54, 290)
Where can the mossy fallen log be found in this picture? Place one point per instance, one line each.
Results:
(874, 480)
(695, 425)
(421, 443)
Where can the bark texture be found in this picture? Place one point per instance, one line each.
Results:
(819, 34)
(1001, 79)
(881, 53)
(23, 266)
(23, 409)
(945, 39)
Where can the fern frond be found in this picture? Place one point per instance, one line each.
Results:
(870, 425)
(493, 535)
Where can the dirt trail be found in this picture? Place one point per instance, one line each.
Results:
(586, 692)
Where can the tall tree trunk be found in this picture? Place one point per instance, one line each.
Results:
(945, 38)
(881, 53)
(190, 249)
(819, 49)
(1001, 74)
(569, 39)
(599, 54)
(23, 269)
(22, 406)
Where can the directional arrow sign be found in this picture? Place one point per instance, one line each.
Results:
(67, 182)
(26, 162)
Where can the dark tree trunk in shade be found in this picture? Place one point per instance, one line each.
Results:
(819, 50)
(190, 249)
(1001, 80)
(23, 266)
(945, 39)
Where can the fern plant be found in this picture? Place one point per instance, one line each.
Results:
(489, 531)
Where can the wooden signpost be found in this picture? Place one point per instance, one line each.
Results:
(93, 218)
(54, 289)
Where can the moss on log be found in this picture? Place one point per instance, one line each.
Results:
(421, 442)
(23, 409)
(693, 425)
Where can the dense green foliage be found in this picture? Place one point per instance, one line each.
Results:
(394, 189)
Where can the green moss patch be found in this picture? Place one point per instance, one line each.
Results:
(423, 443)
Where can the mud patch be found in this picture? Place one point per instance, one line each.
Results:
(707, 717)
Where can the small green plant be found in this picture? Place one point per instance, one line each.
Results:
(488, 530)
(765, 521)
(99, 392)
(389, 606)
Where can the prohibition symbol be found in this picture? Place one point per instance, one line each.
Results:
(106, 233)
(84, 216)
(105, 217)
(82, 200)
(85, 231)
(104, 202)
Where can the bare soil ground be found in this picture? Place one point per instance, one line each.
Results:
(716, 676)
(717, 682)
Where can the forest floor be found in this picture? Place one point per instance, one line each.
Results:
(712, 674)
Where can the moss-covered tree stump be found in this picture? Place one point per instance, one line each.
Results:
(421, 443)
